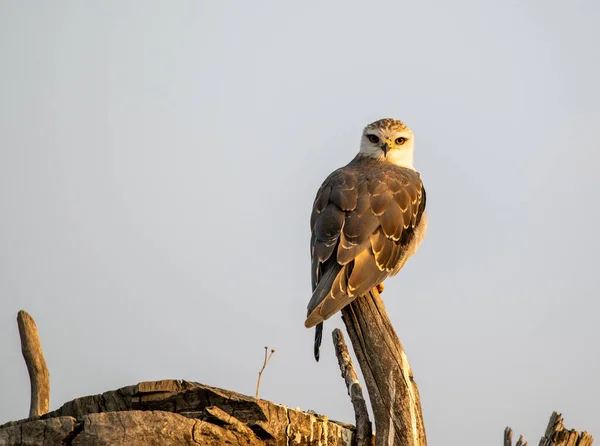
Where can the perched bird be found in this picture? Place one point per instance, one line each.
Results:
(368, 218)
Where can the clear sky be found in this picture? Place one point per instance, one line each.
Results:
(158, 163)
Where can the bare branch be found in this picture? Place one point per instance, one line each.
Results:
(39, 376)
(364, 430)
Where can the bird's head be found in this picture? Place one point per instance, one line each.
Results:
(389, 140)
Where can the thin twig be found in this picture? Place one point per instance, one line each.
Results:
(39, 376)
(364, 429)
(263, 368)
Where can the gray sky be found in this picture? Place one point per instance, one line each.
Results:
(158, 163)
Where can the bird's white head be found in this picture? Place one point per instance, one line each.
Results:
(389, 140)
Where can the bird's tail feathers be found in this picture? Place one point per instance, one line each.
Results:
(319, 294)
(318, 339)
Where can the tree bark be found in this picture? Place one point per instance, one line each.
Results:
(394, 394)
(39, 376)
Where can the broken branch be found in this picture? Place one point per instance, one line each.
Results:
(364, 429)
(39, 376)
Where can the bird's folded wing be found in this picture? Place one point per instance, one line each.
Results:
(363, 219)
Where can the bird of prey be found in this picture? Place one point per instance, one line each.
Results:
(368, 218)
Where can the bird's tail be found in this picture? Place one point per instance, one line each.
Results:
(314, 317)
(318, 339)
(320, 292)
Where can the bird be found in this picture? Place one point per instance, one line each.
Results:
(368, 218)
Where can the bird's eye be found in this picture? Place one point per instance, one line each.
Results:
(373, 138)
(400, 141)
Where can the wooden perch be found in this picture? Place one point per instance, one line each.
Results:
(36, 364)
(364, 430)
(394, 395)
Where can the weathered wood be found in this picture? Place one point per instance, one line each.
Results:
(557, 435)
(39, 376)
(508, 436)
(393, 392)
(364, 429)
(38, 432)
(178, 412)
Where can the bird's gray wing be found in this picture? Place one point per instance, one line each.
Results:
(363, 220)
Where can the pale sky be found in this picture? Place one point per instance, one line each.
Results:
(158, 163)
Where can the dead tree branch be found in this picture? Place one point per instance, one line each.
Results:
(364, 430)
(39, 375)
(394, 394)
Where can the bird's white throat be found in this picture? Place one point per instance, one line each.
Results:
(403, 157)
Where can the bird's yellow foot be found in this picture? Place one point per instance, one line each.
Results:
(380, 288)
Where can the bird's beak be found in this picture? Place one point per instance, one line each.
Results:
(386, 148)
